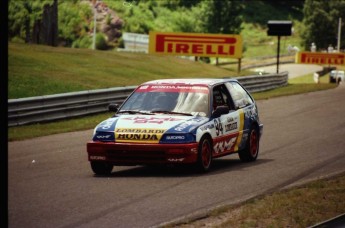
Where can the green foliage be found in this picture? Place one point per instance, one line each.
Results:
(139, 18)
(321, 22)
(101, 42)
(17, 39)
(108, 19)
(22, 15)
(73, 18)
(261, 11)
(82, 42)
(74, 21)
(165, 15)
(223, 16)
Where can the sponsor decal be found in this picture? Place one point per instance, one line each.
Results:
(219, 126)
(175, 137)
(196, 44)
(225, 145)
(320, 58)
(156, 120)
(103, 136)
(183, 126)
(107, 124)
(138, 135)
(99, 158)
(188, 124)
(240, 130)
(207, 127)
(173, 88)
(140, 131)
(231, 126)
(230, 119)
(175, 159)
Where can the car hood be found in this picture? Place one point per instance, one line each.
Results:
(146, 128)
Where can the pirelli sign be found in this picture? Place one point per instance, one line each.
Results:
(320, 58)
(196, 44)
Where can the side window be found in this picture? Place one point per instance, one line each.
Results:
(240, 97)
(221, 97)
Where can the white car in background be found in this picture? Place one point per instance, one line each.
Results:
(336, 76)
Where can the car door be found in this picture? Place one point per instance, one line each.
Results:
(245, 105)
(228, 127)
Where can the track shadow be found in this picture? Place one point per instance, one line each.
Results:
(220, 165)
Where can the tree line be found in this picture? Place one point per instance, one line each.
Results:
(75, 18)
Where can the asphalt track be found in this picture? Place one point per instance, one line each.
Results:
(51, 183)
(295, 70)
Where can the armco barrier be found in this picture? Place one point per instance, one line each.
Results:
(62, 106)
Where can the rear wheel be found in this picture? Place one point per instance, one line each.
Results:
(250, 153)
(101, 168)
(204, 154)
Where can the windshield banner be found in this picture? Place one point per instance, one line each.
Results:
(173, 88)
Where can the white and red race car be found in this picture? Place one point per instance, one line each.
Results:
(178, 121)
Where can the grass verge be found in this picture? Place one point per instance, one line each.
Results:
(37, 130)
(301, 206)
(37, 70)
(303, 84)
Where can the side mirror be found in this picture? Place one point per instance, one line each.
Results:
(220, 110)
(113, 107)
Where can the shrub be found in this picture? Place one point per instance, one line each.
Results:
(83, 42)
(101, 43)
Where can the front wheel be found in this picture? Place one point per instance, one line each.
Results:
(204, 154)
(101, 168)
(250, 153)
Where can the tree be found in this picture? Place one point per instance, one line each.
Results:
(223, 17)
(74, 21)
(321, 22)
(22, 16)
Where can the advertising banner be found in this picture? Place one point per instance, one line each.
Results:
(320, 58)
(196, 44)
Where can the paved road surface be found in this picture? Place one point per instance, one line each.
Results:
(51, 183)
(295, 70)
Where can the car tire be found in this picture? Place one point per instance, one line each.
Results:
(101, 168)
(204, 154)
(251, 151)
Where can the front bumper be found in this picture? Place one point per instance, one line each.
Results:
(141, 154)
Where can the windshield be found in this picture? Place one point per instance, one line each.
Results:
(170, 99)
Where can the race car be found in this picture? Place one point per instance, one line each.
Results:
(336, 76)
(178, 121)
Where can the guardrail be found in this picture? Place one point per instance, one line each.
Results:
(261, 83)
(62, 106)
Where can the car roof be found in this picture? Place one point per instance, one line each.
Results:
(191, 81)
